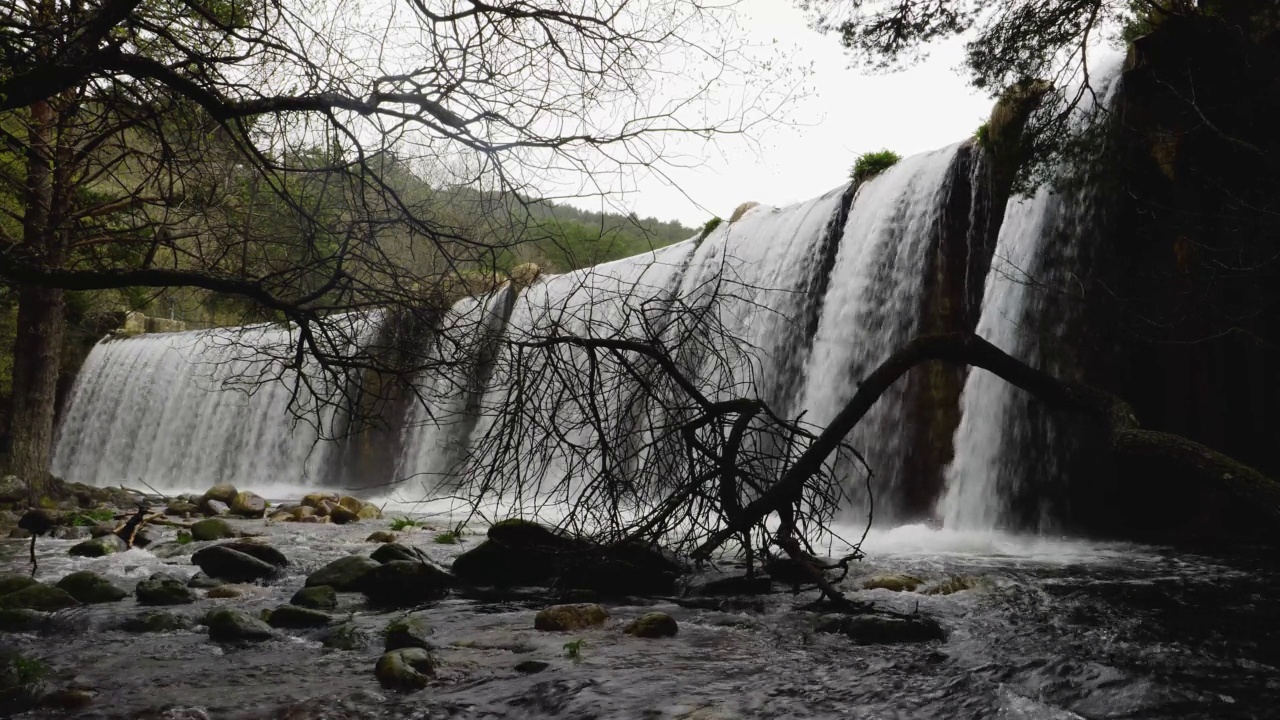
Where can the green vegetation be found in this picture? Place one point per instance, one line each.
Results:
(448, 537)
(20, 677)
(871, 164)
(402, 523)
(982, 135)
(573, 649)
(89, 518)
(709, 228)
(184, 537)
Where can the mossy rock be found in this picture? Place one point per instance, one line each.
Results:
(894, 582)
(878, 629)
(222, 492)
(345, 637)
(225, 592)
(369, 512)
(213, 529)
(952, 585)
(577, 616)
(91, 588)
(401, 583)
(39, 597)
(249, 505)
(156, 622)
(163, 589)
(319, 597)
(230, 625)
(99, 547)
(518, 532)
(204, 582)
(343, 574)
(653, 625)
(381, 536)
(296, 618)
(15, 620)
(314, 500)
(407, 669)
(13, 583)
(394, 551)
(232, 565)
(408, 632)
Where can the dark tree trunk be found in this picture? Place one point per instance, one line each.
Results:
(36, 360)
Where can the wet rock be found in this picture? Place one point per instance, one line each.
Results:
(75, 532)
(353, 504)
(408, 632)
(400, 583)
(894, 582)
(370, 512)
(281, 516)
(166, 550)
(529, 667)
(951, 585)
(259, 550)
(13, 583)
(68, 699)
(570, 617)
(21, 620)
(216, 507)
(223, 492)
(394, 551)
(313, 500)
(320, 597)
(213, 529)
(230, 564)
(101, 529)
(880, 629)
(203, 581)
(39, 521)
(653, 625)
(294, 617)
(250, 505)
(12, 489)
(343, 574)
(19, 534)
(341, 515)
(90, 588)
(38, 597)
(225, 592)
(316, 519)
(302, 513)
(381, 536)
(156, 622)
(229, 625)
(181, 508)
(345, 637)
(407, 669)
(726, 586)
(163, 589)
(99, 547)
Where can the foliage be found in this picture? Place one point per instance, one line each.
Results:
(402, 523)
(449, 537)
(20, 677)
(573, 649)
(709, 228)
(184, 537)
(871, 164)
(981, 135)
(89, 518)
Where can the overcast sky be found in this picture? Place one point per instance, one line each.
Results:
(846, 113)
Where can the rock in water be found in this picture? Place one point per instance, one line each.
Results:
(163, 589)
(181, 508)
(370, 512)
(381, 536)
(878, 629)
(895, 582)
(212, 529)
(408, 669)
(578, 616)
(400, 583)
(250, 505)
(341, 515)
(99, 547)
(394, 551)
(228, 625)
(343, 574)
(156, 623)
(529, 667)
(345, 637)
(20, 620)
(320, 597)
(225, 592)
(223, 493)
(232, 565)
(653, 625)
(217, 507)
(13, 583)
(313, 500)
(204, 582)
(38, 597)
(408, 632)
(294, 617)
(953, 584)
(89, 588)
(259, 550)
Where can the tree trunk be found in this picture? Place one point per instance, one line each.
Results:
(37, 356)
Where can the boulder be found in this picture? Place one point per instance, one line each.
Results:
(879, 629)
(369, 512)
(341, 515)
(319, 597)
(733, 585)
(394, 551)
(653, 625)
(313, 500)
(15, 620)
(250, 505)
(400, 583)
(99, 547)
(225, 592)
(12, 489)
(172, 549)
(181, 508)
(259, 550)
(38, 597)
(224, 493)
(163, 589)
(216, 507)
(229, 625)
(156, 622)
(345, 637)
(203, 581)
(518, 532)
(355, 505)
(294, 617)
(229, 564)
(13, 583)
(381, 536)
(302, 513)
(343, 574)
(953, 584)
(408, 632)
(579, 616)
(281, 516)
(407, 669)
(895, 582)
(101, 529)
(90, 588)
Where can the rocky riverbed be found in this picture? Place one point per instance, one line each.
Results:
(1031, 628)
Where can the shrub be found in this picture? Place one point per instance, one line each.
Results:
(869, 165)
(401, 523)
(448, 537)
(982, 135)
(709, 228)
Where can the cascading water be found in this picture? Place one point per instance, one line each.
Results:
(1004, 443)
(183, 411)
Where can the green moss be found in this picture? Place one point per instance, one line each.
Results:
(709, 228)
(869, 165)
(89, 518)
(448, 537)
(401, 523)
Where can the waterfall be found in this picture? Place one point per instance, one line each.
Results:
(874, 304)
(183, 411)
(1005, 445)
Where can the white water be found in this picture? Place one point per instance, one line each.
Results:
(1027, 306)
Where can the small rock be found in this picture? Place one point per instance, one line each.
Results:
(212, 529)
(13, 583)
(570, 617)
(181, 508)
(345, 637)
(99, 547)
(229, 564)
(381, 536)
(217, 507)
(876, 629)
(88, 587)
(250, 505)
(343, 574)
(225, 592)
(319, 597)
(156, 623)
(228, 625)
(12, 489)
(38, 597)
(68, 699)
(223, 493)
(895, 583)
(163, 589)
(653, 625)
(20, 620)
(407, 669)
(408, 632)
(294, 617)
(529, 667)
(400, 583)
(394, 551)
(203, 581)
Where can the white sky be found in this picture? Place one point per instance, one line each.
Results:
(846, 112)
